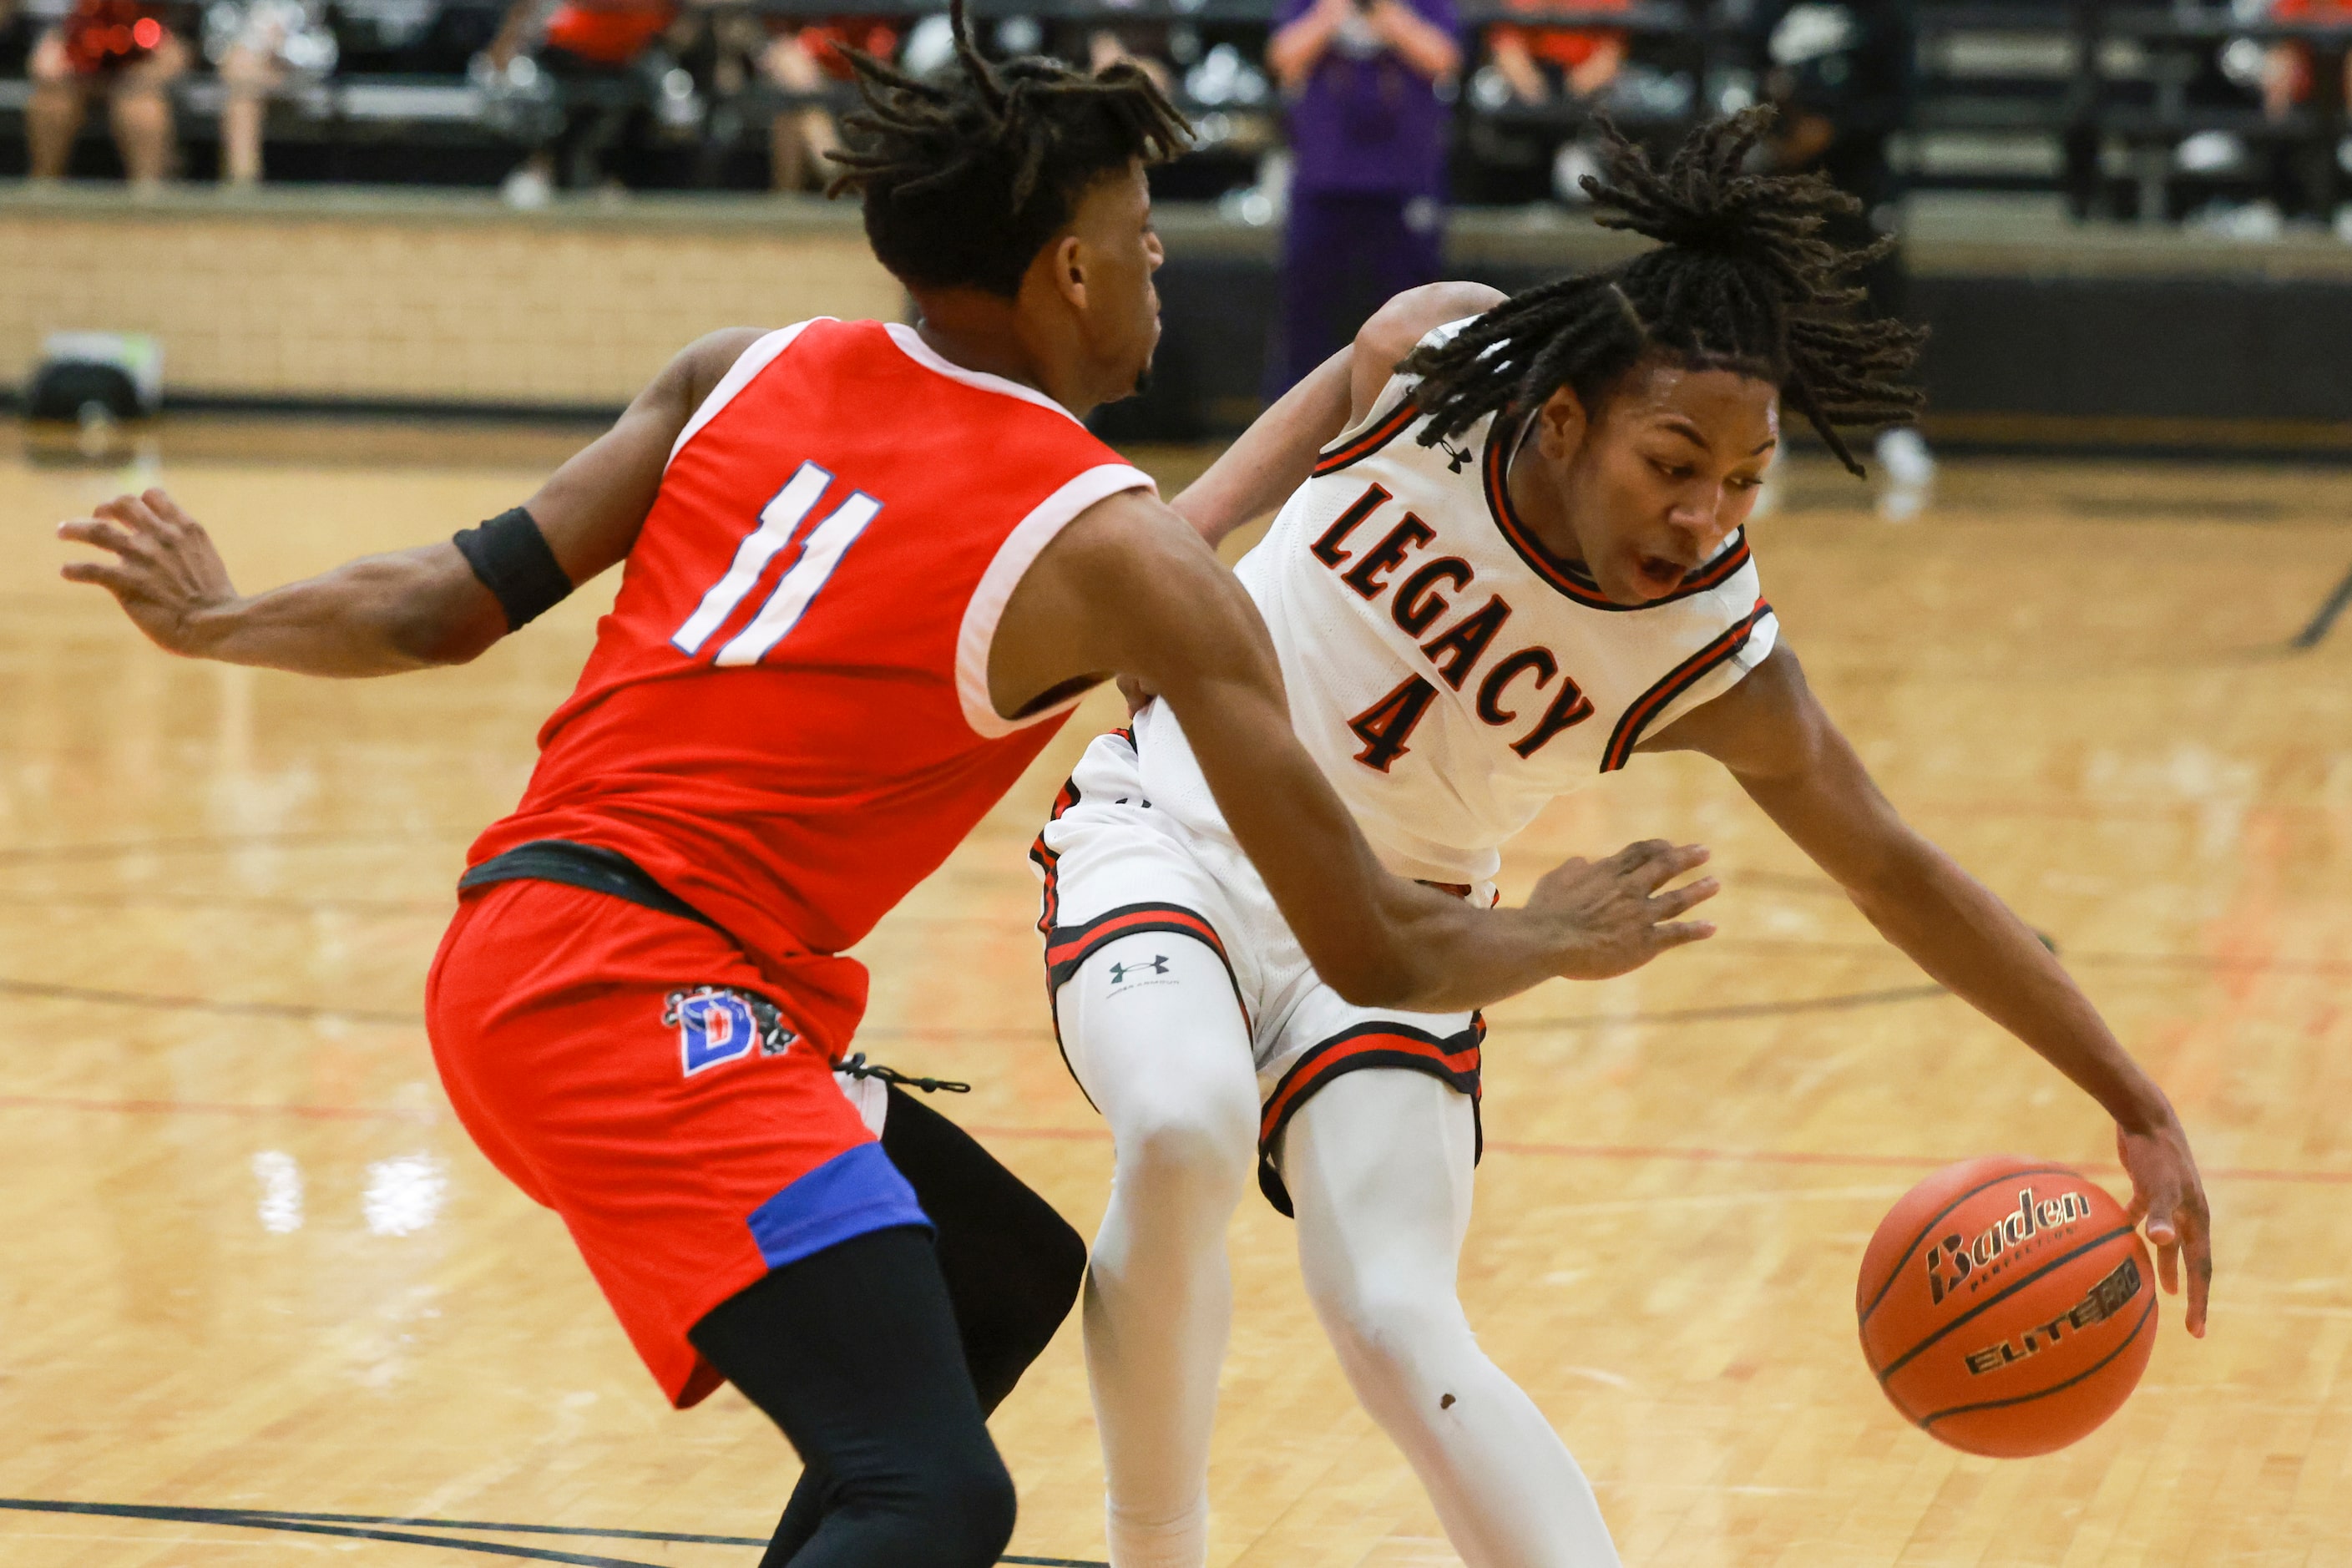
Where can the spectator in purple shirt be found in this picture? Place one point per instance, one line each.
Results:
(1367, 134)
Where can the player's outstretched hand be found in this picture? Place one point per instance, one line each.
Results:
(2169, 1195)
(1623, 914)
(162, 568)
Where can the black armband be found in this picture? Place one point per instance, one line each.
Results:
(511, 558)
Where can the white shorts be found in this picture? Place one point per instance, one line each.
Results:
(1113, 867)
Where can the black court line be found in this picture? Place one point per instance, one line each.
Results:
(295, 1524)
(499, 1528)
(305, 1011)
(1839, 1003)
(2313, 635)
(400, 1530)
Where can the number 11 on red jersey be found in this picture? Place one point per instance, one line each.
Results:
(821, 551)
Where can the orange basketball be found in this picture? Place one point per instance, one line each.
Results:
(2007, 1305)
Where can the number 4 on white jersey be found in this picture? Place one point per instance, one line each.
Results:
(820, 553)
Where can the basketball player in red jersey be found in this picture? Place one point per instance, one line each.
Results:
(868, 567)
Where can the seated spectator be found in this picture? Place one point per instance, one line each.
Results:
(1840, 76)
(802, 60)
(1145, 43)
(2299, 175)
(258, 47)
(1540, 64)
(598, 45)
(2287, 81)
(120, 49)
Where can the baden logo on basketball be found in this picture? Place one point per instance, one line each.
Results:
(1954, 1258)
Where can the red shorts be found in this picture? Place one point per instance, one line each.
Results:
(673, 1100)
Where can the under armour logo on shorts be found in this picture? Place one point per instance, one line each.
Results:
(1120, 971)
(717, 1024)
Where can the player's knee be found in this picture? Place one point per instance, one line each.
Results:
(970, 1499)
(1196, 1151)
(1030, 1297)
(947, 1503)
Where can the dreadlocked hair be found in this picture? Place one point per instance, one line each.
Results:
(967, 173)
(1741, 279)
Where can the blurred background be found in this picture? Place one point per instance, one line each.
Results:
(2125, 219)
(346, 275)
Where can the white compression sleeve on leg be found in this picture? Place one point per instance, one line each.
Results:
(1153, 1031)
(1379, 1167)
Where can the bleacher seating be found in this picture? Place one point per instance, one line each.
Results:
(2131, 108)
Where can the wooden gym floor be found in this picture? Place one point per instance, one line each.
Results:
(252, 1273)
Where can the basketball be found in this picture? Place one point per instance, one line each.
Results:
(2007, 1305)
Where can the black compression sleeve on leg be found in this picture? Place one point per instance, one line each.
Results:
(1013, 1265)
(852, 1351)
(1013, 1268)
(510, 556)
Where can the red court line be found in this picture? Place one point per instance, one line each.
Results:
(202, 1108)
(1703, 1156)
(300, 1012)
(1904, 1161)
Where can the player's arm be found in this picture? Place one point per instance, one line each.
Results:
(1779, 742)
(1128, 588)
(381, 614)
(1275, 455)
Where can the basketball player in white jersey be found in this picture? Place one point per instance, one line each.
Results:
(1520, 563)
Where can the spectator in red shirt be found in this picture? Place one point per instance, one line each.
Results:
(2287, 80)
(802, 60)
(123, 50)
(1539, 64)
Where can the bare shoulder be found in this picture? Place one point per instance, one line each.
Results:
(703, 363)
(1132, 562)
(1396, 327)
(1132, 535)
(1126, 587)
(1412, 315)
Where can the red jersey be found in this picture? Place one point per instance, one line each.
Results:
(1566, 47)
(786, 719)
(2298, 53)
(610, 32)
(105, 35)
(875, 35)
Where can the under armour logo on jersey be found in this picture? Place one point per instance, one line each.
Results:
(717, 1024)
(1456, 458)
(1120, 971)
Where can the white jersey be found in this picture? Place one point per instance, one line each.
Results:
(1449, 674)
